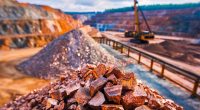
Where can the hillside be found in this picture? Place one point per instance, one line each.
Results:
(22, 18)
(176, 20)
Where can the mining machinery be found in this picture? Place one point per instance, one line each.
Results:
(138, 34)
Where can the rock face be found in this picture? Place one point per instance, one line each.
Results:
(107, 98)
(70, 51)
(21, 19)
(176, 22)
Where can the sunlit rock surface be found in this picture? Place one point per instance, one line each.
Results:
(21, 18)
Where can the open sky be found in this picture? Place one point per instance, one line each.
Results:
(99, 5)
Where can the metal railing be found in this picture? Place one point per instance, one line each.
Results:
(195, 77)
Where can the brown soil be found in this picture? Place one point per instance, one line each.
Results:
(177, 50)
(13, 83)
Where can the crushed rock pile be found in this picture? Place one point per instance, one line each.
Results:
(68, 52)
(94, 88)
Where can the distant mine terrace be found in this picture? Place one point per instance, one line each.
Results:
(27, 40)
(187, 78)
(26, 35)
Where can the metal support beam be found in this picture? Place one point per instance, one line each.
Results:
(162, 71)
(128, 52)
(139, 58)
(151, 65)
(122, 48)
(195, 88)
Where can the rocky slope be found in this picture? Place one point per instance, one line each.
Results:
(178, 22)
(18, 19)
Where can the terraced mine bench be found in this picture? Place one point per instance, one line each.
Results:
(30, 40)
(192, 77)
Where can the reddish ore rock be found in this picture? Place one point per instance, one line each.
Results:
(128, 81)
(72, 87)
(111, 107)
(143, 107)
(82, 96)
(51, 102)
(100, 70)
(114, 93)
(118, 91)
(112, 78)
(116, 72)
(97, 101)
(97, 85)
(134, 98)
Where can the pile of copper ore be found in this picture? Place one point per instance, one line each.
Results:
(69, 52)
(94, 88)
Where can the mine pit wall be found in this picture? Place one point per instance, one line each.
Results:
(184, 22)
(32, 33)
(28, 25)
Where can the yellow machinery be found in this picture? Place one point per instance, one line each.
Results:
(138, 34)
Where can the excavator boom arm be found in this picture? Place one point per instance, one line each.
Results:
(145, 20)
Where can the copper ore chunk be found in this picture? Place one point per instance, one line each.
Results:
(72, 87)
(88, 75)
(114, 93)
(170, 105)
(54, 94)
(61, 106)
(112, 78)
(79, 107)
(62, 92)
(128, 81)
(143, 107)
(97, 85)
(97, 100)
(108, 72)
(91, 66)
(63, 77)
(100, 70)
(134, 99)
(109, 84)
(111, 107)
(72, 107)
(116, 72)
(155, 103)
(71, 101)
(84, 71)
(33, 103)
(82, 96)
(51, 102)
(82, 83)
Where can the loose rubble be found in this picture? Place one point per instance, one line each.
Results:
(79, 91)
(68, 52)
